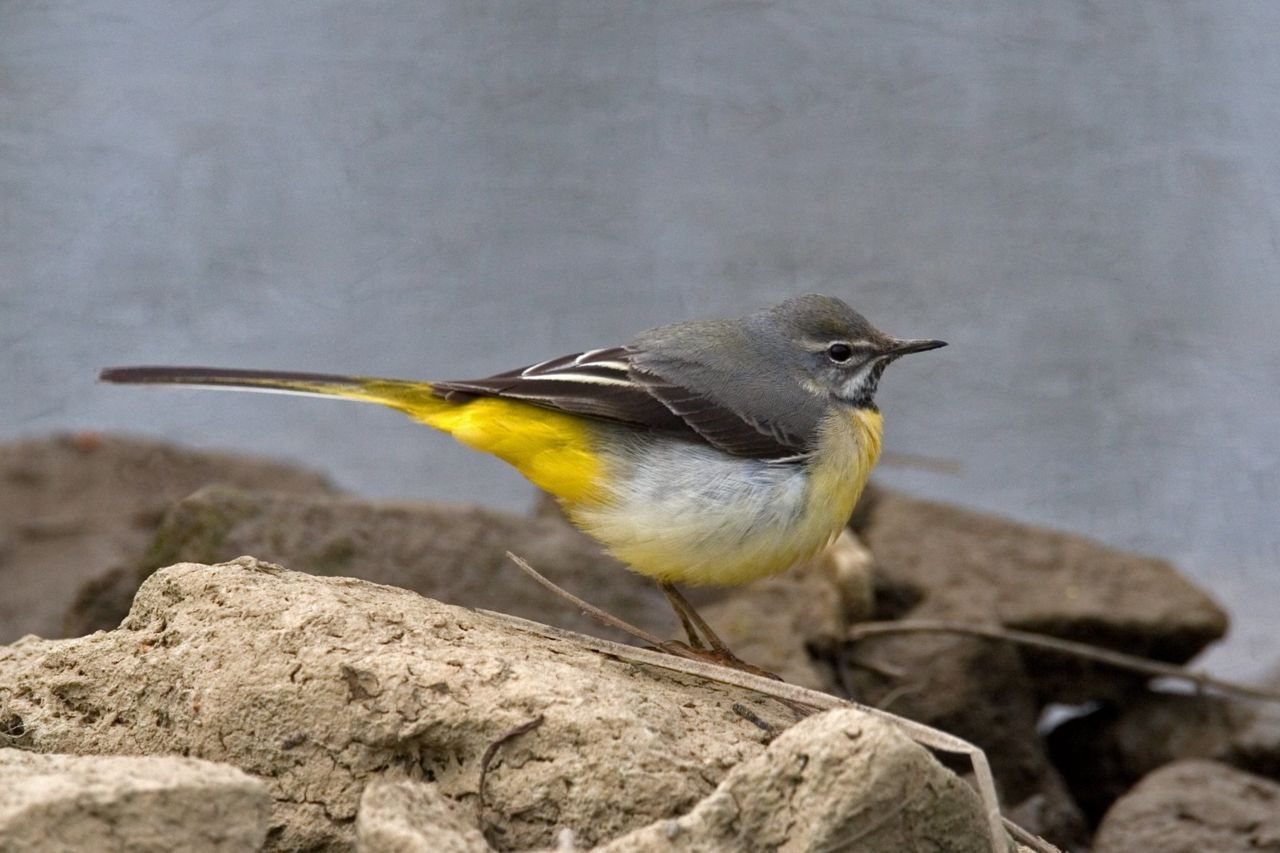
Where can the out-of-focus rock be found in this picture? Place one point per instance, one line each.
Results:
(138, 804)
(452, 553)
(322, 685)
(1255, 739)
(1102, 754)
(1105, 752)
(72, 507)
(934, 561)
(965, 565)
(1194, 807)
(785, 623)
(1255, 733)
(842, 780)
(413, 817)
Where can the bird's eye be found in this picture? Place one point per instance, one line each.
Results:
(839, 352)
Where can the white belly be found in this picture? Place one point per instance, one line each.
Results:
(685, 512)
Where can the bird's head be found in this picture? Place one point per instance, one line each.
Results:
(832, 349)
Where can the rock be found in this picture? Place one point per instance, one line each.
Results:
(934, 561)
(980, 568)
(1101, 755)
(1192, 807)
(841, 780)
(413, 817)
(128, 803)
(71, 507)
(323, 685)
(452, 553)
(1255, 733)
(1104, 753)
(979, 690)
(1255, 738)
(785, 623)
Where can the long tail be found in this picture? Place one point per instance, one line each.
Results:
(416, 399)
(553, 449)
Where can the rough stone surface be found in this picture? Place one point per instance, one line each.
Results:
(321, 685)
(72, 507)
(139, 804)
(452, 553)
(1193, 807)
(836, 781)
(413, 817)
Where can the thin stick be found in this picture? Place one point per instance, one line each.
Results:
(936, 464)
(672, 648)
(590, 609)
(781, 690)
(1035, 842)
(1120, 660)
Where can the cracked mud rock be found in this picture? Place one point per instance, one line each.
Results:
(1194, 807)
(72, 507)
(837, 781)
(840, 780)
(129, 804)
(414, 817)
(322, 685)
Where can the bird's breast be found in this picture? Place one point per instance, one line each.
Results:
(685, 512)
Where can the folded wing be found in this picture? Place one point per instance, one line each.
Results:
(607, 384)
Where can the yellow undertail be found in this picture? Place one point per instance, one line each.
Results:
(551, 449)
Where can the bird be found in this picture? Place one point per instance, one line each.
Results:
(705, 452)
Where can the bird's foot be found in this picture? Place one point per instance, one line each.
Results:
(721, 656)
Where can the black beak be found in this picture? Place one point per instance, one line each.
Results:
(907, 347)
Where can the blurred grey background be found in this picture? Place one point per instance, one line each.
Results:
(1080, 196)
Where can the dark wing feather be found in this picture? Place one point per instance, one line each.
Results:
(596, 383)
(719, 425)
(605, 384)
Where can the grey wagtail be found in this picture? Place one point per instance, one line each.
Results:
(711, 452)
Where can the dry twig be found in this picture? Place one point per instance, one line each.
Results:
(936, 464)
(1120, 660)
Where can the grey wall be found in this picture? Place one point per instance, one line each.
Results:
(1081, 197)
